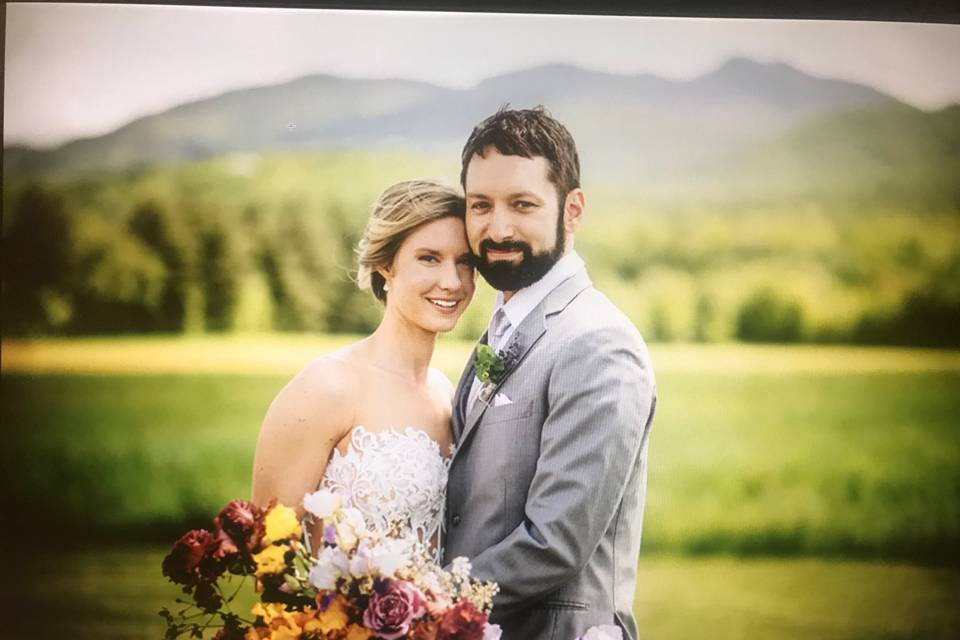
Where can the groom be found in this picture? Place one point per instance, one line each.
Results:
(547, 485)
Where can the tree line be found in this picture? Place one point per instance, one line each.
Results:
(200, 249)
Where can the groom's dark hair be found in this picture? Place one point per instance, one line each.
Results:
(527, 133)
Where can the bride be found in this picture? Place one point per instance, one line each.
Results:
(371, 421)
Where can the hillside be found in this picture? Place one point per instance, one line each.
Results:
(624, 125)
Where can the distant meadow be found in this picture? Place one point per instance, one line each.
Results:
(788, 245)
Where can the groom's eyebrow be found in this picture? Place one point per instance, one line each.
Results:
(516, 194)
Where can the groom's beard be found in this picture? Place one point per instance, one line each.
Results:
(507, 276)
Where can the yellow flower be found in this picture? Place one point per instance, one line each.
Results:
(281, 523)
(335, 617)
(355, 632)
(269, 611)
(270, 560)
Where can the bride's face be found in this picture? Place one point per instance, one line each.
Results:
(431, 281)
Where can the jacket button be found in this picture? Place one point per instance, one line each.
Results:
(455, 520)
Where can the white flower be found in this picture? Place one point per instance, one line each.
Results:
(460, 568)
(354, 518)
(429, 581)
(603, 632)
(491, 631)
(322, 503)
(360, 565)
(389, 556)
(325, 573)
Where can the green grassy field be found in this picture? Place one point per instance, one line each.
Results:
(765, 453)
(793, 492)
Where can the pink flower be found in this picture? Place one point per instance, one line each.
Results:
(394, 605)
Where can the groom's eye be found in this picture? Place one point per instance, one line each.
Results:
(523, 204)
(479, 206)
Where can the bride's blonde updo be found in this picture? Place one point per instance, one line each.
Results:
(398, 212)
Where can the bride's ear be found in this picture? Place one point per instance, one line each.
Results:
(386, 274)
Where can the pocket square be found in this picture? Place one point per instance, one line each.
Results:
(501, 399)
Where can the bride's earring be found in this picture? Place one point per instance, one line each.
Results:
(386, 286)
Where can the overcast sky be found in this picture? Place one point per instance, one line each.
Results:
(81, 70)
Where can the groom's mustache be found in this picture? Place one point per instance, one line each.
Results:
(507, 245)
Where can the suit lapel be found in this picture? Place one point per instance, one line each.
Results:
(525, 336)
(463, 392)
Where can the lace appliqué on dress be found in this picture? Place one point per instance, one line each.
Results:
(396, 479)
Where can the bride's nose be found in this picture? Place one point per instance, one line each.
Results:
(450, 277)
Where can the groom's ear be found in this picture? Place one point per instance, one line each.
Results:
(573, 209)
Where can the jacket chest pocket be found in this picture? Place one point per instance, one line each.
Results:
(517, 410)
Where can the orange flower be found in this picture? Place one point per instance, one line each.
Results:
(355, 632)
(334, 617)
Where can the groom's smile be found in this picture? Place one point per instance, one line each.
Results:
(509, 251)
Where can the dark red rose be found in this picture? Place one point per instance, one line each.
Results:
(239, 528)
(394, 605)
(231, 630)
(192, 558)
(207, 597)
(462, 622)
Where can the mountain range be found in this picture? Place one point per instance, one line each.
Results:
(645, 130)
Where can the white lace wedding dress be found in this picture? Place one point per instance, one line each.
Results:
(396, 478)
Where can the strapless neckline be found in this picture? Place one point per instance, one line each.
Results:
(422, 437)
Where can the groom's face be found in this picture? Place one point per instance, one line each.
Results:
(514, 222)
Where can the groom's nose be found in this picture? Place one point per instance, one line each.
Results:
(501, 225)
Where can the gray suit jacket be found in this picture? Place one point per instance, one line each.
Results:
(546, 494)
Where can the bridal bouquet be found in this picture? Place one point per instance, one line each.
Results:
(349, 585)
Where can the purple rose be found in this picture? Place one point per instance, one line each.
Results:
(392, 607)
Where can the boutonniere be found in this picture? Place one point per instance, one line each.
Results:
(491, 366)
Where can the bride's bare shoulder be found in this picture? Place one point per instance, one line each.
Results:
(306, 419)
(321, 395)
